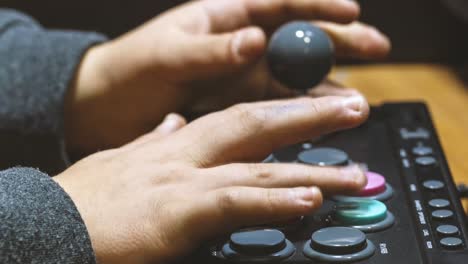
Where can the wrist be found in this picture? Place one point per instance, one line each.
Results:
(84, 98)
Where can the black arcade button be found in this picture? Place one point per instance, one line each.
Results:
(269, 159)
(338, 240)
(451, 242)
(426, 161)
(288, 154)
(324, 157)
(258, 242)
(442, 214)
(422, 151)
(261, 245)
(433, 185)
(447, 230)
(439, 203)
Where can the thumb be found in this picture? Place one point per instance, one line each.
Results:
(171, 123)
(225, 53)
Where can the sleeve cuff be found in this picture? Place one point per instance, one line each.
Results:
(39, 221)
(36, 70)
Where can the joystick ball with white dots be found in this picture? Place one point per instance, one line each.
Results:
(300, 55)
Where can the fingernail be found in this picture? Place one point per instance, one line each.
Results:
(356, 174)
(354, 103)
(380, 38)
(363, 167)
(248, 43)
(170, 123)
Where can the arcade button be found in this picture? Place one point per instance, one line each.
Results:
(338, 240)
(269, 159)
(364, 214)
(439, 203)
(422, 151)
(287, 154)
(442, 214)
(426, 161)
(324, 157)
(447, 230)
(433, 185)
(307, 145)
(338, 244)
(376, 189)
(375, 184)
(258, 245)
(451, 242)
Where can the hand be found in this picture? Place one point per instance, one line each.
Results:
(202, 56)
(157, 198)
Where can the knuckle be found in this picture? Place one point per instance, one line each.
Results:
(258, 172)
(231, 53)
(314, 104)
(356, 119)
(227, 200)
(250, 119)
(170, 174)
(271, 200)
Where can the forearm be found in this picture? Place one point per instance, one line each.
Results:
(37, 66)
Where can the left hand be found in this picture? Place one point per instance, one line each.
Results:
(160, 197)
(201, 56)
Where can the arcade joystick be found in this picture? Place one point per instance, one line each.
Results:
(300, 55)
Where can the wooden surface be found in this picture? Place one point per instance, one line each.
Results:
(445, 94)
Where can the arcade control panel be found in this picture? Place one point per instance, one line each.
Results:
(408, 213)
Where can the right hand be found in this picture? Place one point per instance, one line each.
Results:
(199, 57)
(161, 196)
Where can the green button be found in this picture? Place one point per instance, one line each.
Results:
(357, 211)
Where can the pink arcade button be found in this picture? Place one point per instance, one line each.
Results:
(375, 184)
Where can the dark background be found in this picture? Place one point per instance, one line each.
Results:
(420, 30)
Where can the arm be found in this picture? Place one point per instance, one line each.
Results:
(36, 67)
(39, 222)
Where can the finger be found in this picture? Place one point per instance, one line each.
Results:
(332, 88)
(171, 123)
(234, 207)
(326, 88)
(248, 132)
(219, 54)
(270, 14)
(330, 180)
(357, 40)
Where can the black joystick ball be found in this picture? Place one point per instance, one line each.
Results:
(300, 55)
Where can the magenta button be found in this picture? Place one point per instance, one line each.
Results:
(375, 184)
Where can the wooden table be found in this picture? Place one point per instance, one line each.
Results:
(445, 94)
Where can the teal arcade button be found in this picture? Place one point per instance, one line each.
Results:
(360, 212)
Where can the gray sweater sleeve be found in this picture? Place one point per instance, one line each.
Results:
(36, 67)
(38, 221)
